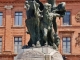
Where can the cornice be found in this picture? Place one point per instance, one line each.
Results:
(22, 1)
(17, 1)
(64, 0)
(70, 55)
(70, 27)
(68, 1)
(12, 1)
(66, 31)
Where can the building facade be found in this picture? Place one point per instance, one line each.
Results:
(13, 30)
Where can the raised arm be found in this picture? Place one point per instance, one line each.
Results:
(52, 2)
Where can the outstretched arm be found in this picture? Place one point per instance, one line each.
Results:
(41, 7)
(52, 2)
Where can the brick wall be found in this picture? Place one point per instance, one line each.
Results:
(7, 55)
(8, 31)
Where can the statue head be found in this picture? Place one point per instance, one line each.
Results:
(47, 6)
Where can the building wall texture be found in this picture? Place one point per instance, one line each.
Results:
(8, 30)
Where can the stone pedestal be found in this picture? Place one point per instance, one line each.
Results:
(42, 53)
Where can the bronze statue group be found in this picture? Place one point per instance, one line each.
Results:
(41, 22)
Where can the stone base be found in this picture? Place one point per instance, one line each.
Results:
(42, 53)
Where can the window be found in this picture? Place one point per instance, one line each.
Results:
(17, 44)
(0, 44)
(1, 18)
(66, 18)
(18, 18)
(66, 45)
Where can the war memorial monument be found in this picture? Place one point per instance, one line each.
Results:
(42, 27)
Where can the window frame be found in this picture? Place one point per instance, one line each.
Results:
(1, 44)
(66, 24)
(66, 45)
(2, 19)
(17, 44)
(17, 23)
(65, 34)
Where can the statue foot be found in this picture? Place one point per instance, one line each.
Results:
(28, 32)
(38, 44)
(33, 45)
(46, 44)
(55, 47)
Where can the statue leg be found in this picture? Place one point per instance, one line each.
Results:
(54, 24)
(50, 37)
(45, 36)
(33, 40)
(57, 40)
(37, 36)
(37, 30)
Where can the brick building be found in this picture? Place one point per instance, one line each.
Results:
(13, 30)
